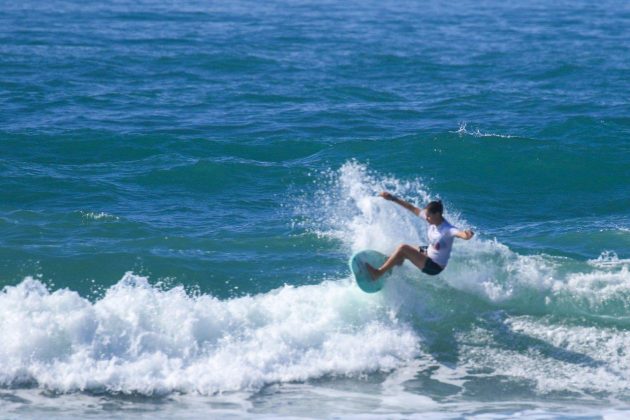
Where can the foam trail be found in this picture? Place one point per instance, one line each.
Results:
(139, 339)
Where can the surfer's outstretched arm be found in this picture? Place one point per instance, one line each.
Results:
(390, 197)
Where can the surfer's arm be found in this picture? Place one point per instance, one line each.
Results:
(390, 197)
(465, 234)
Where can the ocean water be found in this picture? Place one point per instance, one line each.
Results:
(183, 182)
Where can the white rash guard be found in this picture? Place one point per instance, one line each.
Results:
(440, 241)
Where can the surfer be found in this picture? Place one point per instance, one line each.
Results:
(431, 259)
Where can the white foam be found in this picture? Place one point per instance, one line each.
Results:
(573, 358)
(138, 338)
(609, 259)
(477, 133)
(90, 215)
(599, 294)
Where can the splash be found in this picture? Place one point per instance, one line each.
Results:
(346, 207)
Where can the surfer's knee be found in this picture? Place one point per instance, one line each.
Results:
(404, 248)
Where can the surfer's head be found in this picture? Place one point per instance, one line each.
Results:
(435, 207)
(434, 212)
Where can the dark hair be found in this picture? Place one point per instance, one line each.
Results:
(435, 207)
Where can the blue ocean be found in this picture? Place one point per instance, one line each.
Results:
(183, 182)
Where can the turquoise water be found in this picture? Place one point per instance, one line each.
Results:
(182, 184)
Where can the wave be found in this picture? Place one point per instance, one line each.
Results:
(492, 313)
(141, 339)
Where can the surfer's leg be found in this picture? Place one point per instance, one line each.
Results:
(402, 253)
(417, 257)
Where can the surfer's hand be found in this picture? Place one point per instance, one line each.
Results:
(387, 196)
(465, 234)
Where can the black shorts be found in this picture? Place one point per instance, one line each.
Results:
(430, 267)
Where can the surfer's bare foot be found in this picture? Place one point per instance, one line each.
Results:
(374, 273)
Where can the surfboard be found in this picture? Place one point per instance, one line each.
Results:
(362, 276)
